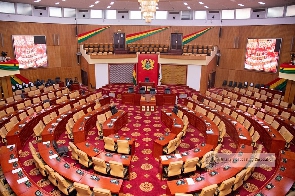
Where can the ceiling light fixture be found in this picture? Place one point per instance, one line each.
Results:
(185, 3)
(148, 8)
(109, 6)
(206, 6)
(96, 2)
(201, 3)
(240, 4)
(56, 3)
(37, 1)
(261, 3)
(112, 3)
(188, 7)
(91, 5)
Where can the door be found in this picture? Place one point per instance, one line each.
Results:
(84, 77)
(176, 41)
(211, 82)
(119, 41)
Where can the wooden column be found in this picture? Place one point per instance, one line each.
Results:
(290, 91)
(6, 86)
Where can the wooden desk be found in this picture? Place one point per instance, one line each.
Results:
(203, 124)
(86, 123)
(89, 149)
(115, 122)
(161, 142)
(147, 85)
(107, 156)
(71, 172)
(75, 86)
(171, 121)
(161, 99)
(147, 103)
(12, 178)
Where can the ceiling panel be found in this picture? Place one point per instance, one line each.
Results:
(168, 5)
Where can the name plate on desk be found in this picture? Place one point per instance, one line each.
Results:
(19, 181)
(177, 125)
(53, 156)
(10, 146)
(12, 160)
(209, 131)
(16, 170)
(190, 181)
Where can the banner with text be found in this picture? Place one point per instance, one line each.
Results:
(147, 67)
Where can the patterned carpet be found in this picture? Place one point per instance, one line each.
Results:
(145, 127)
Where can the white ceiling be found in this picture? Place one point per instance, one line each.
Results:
(168, 5)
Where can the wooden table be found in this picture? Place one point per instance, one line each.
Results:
(161, 142)
(90, 149)
(171, 121)
(115, 122)
(161, 99)
(131, 141)
(147, 103)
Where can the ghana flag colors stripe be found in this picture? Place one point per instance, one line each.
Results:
(190, 37)
(11, 65)
(84, 36)
(140, 35)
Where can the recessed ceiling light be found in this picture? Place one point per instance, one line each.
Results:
(262, 3)
(241, 4)
(157, 8)
(206, 6)
(37, 1)
(188, 7)
(63, 0)
(185, 3)
(56, 3)
(91, 5)
(96, 2)
(109, 6)
(140, 8)
(112, 3)
(201, 3)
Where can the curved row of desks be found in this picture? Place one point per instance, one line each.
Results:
(16, 177)
(270, 137)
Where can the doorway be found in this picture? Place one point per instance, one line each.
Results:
(176, 41)
(119, 41)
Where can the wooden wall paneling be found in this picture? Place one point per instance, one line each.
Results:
(204, 80)
(231, 59)
(228, 34)
(174, 74)
(231, 75)
(68, 56)
(91, 75)
(290, 91)
(221, 75)
(6, 86)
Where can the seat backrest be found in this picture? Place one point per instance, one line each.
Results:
(284, 104)
(227, 184)
(109, 143)
(226, 110)
(101, 192)
(247, 124)
(269, 119)
(276, 101)
(82, 189)
(258, 104)
(116, 168)
(285, 114)
(22, 115)
(123, 146)
(251, 110)
(174, 168)
(209, 190)
(190, 164)
(260, 115)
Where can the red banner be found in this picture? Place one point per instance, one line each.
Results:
(147, 67)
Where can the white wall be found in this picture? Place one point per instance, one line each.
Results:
(193, 78)
(101, 74)
(236, 22)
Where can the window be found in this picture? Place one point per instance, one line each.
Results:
(228, 14)
(111, 14)
(95, 13)
(55, 12)
(24, 9)
(161, 15)
(200, 15)
(243, 13)
(290, 10)
(6, 7)
(275, 12)
(69, 13)
(134, 14)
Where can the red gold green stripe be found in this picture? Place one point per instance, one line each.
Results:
(84, 36)
(190, 37)
(140, 35)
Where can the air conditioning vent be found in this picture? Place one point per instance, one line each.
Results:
(82, 10)
(123, 12)
(39, 8)
(173, 12)
(258, 10)
(214, 12)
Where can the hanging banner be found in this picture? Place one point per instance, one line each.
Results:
(190, 37)
(140, 35)
(84, 36)
(147, 67)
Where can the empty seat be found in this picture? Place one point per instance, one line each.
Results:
(117, 169)
(209, 190)
(109, 144)
(100, 165)
(101, 192)
(64, 185)
(82, 189)
(190, 165)
(225, 187)
(84, 159)
(123, 147)
(173, 169)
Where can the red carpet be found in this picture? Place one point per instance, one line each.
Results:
(145, 178)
